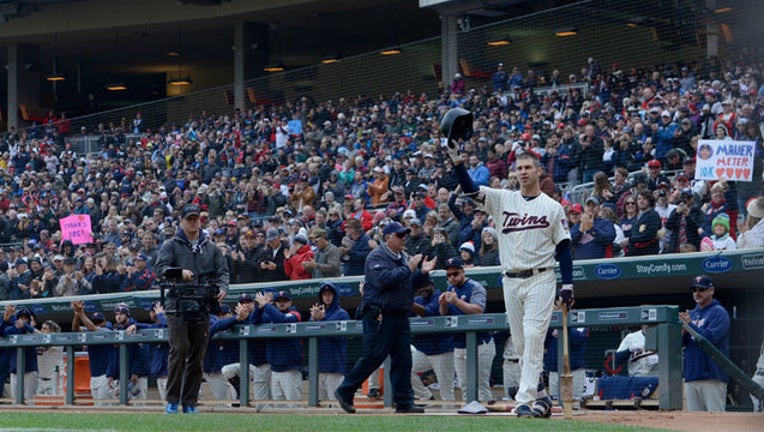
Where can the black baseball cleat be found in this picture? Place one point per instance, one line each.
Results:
(346, 406)
(411, 409)
(373, 394)
(524, 411)
(542, 407)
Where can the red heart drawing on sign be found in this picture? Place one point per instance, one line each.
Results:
(738, 171)
(729, 171)
(719, 172)
(746, 173)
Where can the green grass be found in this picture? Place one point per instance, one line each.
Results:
(228, 422)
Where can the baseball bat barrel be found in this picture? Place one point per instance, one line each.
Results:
(566, 379)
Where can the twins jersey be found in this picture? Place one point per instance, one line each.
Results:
(641, 362)
(528, 230)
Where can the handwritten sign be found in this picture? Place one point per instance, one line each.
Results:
(731, 160)
(76, 228)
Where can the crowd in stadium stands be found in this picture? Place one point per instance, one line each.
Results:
(287, 204)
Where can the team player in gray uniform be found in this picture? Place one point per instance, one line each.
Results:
(532, 230)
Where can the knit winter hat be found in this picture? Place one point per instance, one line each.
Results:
(722, 219)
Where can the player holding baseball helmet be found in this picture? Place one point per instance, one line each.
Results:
(532, 229)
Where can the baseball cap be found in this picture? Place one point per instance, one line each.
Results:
(409, 214)
(20, 261)
(283, 295)
(225, 309)
(271, 235)
(122, 308)
(68, 260)
(576, 208)
(245, 297)
(592, 199)
(58, 258)
(97, 317)
(142, 257)
(23, 311)
(302, 238)
(415, 221)
(190, 210)
(702, 281)
(454, 263)
(655, 163)
(395, 228)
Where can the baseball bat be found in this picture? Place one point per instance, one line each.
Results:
(566, 379)
(731, 368)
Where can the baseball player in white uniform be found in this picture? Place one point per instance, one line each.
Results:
(642, 362)
(510, 368)
(532, 229)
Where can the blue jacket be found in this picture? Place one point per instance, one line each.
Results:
(30, 353)
(465, 292)
(138, 356)
(577, 338)
(388, 281)
(332, 351)
(713, 323)
(664, 139)
(356, 257)
(220, 352)
(282, 354)
(432, 344)
(592, 244)
(100, 355)
(479, 175)
(159, 352)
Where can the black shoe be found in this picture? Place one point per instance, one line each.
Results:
(347, 406)
(411, 409)
(373, 394)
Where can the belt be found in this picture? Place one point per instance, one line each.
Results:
(525, 274)
(45, 379)
(513, 360)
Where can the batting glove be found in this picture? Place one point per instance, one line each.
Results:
(566, 295)
(452, 148)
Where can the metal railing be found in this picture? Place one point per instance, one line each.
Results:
(665, 339)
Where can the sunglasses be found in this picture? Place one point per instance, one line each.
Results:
(401, 235)
(630, 203)
(452, 274)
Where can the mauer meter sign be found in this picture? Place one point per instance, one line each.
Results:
(731, 160)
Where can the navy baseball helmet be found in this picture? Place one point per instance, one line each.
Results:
(457, 124)
(245, 297)
(122, 308)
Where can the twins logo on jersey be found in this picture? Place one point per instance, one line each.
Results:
(515, 222)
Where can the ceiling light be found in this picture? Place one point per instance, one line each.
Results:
(331, 59)
(180, 81)
(391, 51)
(116, 86)
(565, 31)
(500, 42)
(56, 77)
(274, 68)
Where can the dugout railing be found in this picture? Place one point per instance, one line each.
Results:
(664, 337)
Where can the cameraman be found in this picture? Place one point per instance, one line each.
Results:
(684, 223)
(201, 262)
